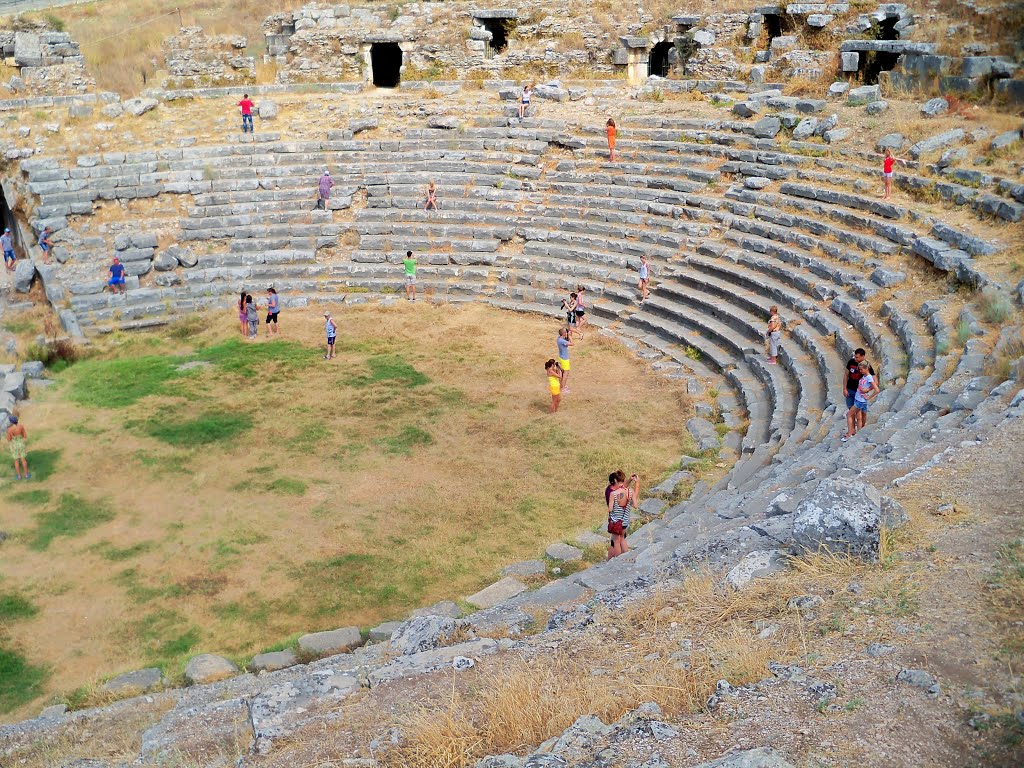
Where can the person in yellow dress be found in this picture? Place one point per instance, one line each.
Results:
(554, 374)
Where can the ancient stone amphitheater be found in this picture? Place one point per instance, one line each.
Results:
(768, 203)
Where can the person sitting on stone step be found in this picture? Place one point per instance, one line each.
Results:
(117, 276)
(431, 197)
(524, 102)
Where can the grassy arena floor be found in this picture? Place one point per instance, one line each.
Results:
(194, 492)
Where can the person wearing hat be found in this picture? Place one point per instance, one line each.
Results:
(332, 332)
(116, 281)
(16, 439)
(8, 246)
(46, 244)
(324, 191)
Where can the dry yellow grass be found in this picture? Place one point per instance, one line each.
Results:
(329, 512)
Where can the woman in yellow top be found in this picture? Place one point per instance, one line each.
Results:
(610, 130)
(554, 374)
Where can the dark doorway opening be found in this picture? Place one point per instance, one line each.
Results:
(657, 64)
(386, 63)
(7, 218)
(499, 29)
(887, 29)
(777, 25)
(873, 63)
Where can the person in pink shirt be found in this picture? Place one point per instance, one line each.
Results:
(246, 106)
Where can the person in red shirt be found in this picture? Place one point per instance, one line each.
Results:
(246, 106)
(887, 164)
(610, 130)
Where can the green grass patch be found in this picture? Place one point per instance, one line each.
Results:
(140, 593)
(37, 497)
(164, 637)
(309, 437)
(355, 581)
(287, 486)
(213, 427)
(108, 551)
(390, 368)
(249, 360)
(20, 682)
(403, 443)
(42, 464)
(117, 383)
(72, 517)
(14, 606)
(20, 326)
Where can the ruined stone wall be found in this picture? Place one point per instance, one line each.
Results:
(194, 60)
(47, 62)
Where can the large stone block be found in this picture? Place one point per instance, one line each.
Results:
(331, 642)
(841, 516)
(502, 590)
(208, 668)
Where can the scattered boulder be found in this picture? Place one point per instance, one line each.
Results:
(756, 565)
(444, 608)
(893, 141)
(112, 110)
(442, 122)
(209, 668)
(938, 141)
(767, 127)
(589, 539)
(920, 679)
(422, 633)
(838, 90)
(827, 124)
(836, 135)
(164, 262)
(79, 109)
(488, 597)
(563, 552)
(806, 128)
(525, 568)
(840, 515)
(270, 662)
(877, 107)
(384, 631)
(331, 642)
(935, 107)
(33, 369)
(137, 107)
(183, 254)
(133, 683)
(865, 94)
(363, 124)
(267, 110)
(746, 108)
(24, 274)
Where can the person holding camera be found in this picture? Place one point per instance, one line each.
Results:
(621, 503)
(554, 373)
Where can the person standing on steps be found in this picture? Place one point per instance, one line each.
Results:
(117, 279)
(246, 106)
(554, 374)
(581, 310)
(323, 191)
(773, 335)
(524, 102)
(45, 244)
(252, 317)
(332, 333)
(273, 309)
(409, 263)
(851, 378)
(17, 438)
(887, 163)
(8, 247)
(241, 314)
(431, 197)
(867, 390)
(645, 275)
(564, 343)
(569, 307)
(610, 131)
(621, 503)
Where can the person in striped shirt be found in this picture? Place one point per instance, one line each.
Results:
(621, 503)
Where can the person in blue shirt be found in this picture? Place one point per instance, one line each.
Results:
(116, 281)
(8, 247)
(332, 332)
(563, 344)
(273, 309)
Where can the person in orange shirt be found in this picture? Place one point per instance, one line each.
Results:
(611, 139)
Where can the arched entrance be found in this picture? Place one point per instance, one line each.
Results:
(386, 64)
(657, 64)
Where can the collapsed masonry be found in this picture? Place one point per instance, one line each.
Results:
(46, 61)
